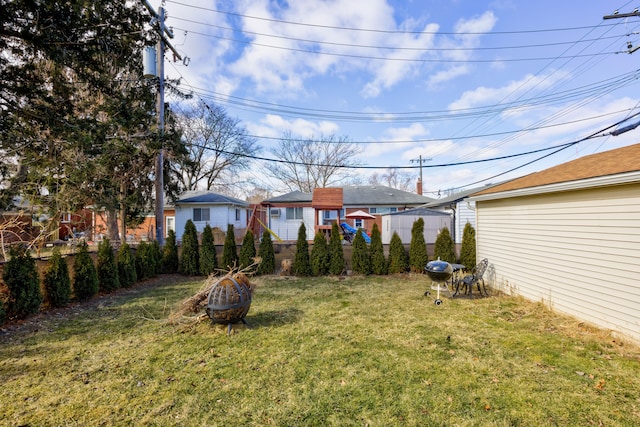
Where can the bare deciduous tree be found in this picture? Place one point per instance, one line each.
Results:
(306, 164)
(218, 149)
(394, 178)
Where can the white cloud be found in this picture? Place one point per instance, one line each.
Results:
(275, 126)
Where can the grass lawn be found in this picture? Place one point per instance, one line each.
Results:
(369, 351)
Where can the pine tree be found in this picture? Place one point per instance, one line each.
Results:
(418, 256)
(302, 263)
(57, 282)
(379, 263)
(247, 250)
(144, 262)
(360, 258)
(85, 276)
(266, 255)
(319, 255)
(126, 266)
(106, 267)
(230, 250)
(170, 260)
(336, 252)
(155, 258)
(398, 259)
(189, 263)
(208, 255)
(468, 247)
(444, 247)
(21, 277)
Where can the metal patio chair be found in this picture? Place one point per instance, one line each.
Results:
(475, 278)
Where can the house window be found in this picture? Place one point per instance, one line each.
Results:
(358, 223)
(332, 214)
(200, 214)
(294, 213)
(171, 223)
(381, 211)
(237, 214)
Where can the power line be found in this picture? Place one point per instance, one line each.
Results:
(370, 30)
(360, 46)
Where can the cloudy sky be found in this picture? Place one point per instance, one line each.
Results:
(468, 85)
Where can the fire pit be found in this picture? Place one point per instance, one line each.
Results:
(229, 301)
(439, 272)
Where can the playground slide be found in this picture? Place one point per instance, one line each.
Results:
(354, 231)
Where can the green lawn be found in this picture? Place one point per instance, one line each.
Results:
(362, 351)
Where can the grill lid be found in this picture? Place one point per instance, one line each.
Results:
(439, 271)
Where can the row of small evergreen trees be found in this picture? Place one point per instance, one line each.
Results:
(370, 259)
(122, 269)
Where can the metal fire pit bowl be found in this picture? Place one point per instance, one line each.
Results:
(439, 272)
(229, 302)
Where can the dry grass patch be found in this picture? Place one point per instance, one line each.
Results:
(361, 351)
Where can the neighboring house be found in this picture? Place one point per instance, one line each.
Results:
(401, 222)
(319, 210)
(569, 237)
(216, 210)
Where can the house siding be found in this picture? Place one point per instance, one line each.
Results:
(288, 229)
(578, 252)
(465, 214)
(219, 216)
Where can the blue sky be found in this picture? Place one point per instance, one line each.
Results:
(451, 81)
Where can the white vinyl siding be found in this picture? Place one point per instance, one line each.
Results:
(288, 229)
(578, 252)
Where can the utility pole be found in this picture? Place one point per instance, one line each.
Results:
(421, 161)
(159, 181)
(617, 15)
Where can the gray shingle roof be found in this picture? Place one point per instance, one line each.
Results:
(361, 195)
(209, 198)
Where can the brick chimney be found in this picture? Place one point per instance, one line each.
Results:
(419, 187)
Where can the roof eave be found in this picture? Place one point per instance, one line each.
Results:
(582, 184)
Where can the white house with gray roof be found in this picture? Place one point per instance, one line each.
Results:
(211, 208)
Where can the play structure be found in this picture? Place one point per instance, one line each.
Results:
(349, 233)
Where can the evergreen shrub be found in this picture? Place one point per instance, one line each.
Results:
(85, 276)
(230, 250)
(418, 257)
(208, 256)
(336, 251)
(267, 255)
(360, 258)
(398, 259)
(126, 266)
(379, 264)
(57, 282)
(444, 247)
(170, 261)
(189, 263)
(247, 250)
(468, 247)
(319, 255)
(106, 267)
(302, 263)
(21, 277)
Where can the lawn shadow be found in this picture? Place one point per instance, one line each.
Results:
(264, 319)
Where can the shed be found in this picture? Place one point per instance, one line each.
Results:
(401, 222)
(569, 237)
